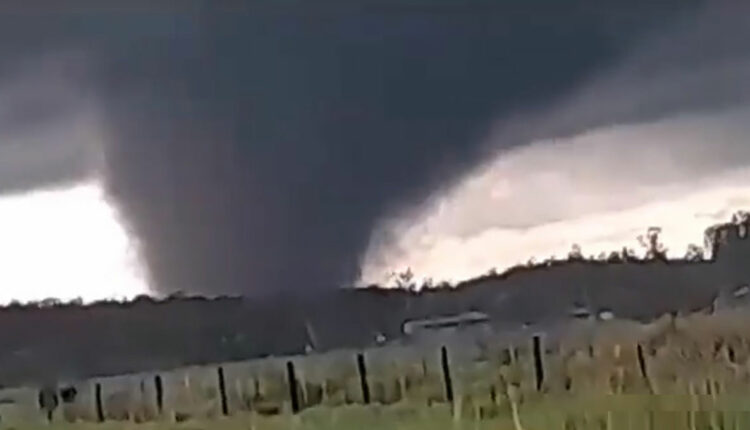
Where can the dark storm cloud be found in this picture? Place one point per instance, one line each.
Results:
(253, 149)
(48, 135)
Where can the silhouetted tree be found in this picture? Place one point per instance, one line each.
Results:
(50, 303)
(614, 257)
(15, 304)
(627, 254)
(741, 217)
(444, 285)
(742, 220)
(711, 239)
(405, 280)
(575, 253)
(655, 249)
(694, 253)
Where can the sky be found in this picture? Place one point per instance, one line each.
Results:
(656, 138)
(257, 147)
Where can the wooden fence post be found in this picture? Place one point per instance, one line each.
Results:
(447, 380)
(643, 368)
(98, 400)
(223, 391)
(159, 386)
(293, 392)
(538, 362)
(362, 369)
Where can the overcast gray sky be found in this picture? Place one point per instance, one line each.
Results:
(257, 147)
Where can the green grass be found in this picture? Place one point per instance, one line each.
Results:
(610, 412)
(698, 377)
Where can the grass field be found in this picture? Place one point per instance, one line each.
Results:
(689, 372)
(611, 412)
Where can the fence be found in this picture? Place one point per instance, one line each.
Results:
(475, 381)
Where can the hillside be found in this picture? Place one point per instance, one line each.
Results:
(72, 341)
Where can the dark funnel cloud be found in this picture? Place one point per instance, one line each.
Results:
(252, 148)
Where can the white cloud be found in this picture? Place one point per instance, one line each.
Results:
(600, 189)
(65, 244)
(59, 236)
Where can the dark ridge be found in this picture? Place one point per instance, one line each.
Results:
(107, 338)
